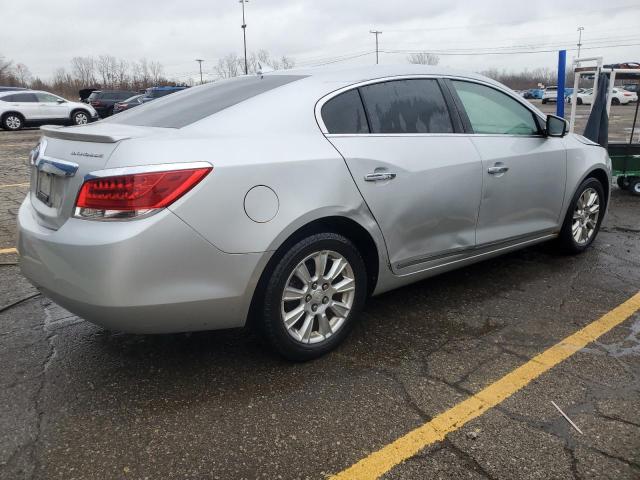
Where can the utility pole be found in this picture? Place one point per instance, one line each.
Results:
(580, 29)
(376, 33)
(199, 60)
(244, 35)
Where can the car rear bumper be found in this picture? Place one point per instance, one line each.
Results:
(152, 275)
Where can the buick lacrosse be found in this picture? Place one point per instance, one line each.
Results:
(285, 199)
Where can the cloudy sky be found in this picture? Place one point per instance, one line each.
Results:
(469, 34)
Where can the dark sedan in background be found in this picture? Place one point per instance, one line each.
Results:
(104, 100)
(128, 103)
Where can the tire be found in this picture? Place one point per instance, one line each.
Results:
(615, 101)
(544, 101)
(12, 121)
(588, 230)
(80, 117)
(579, 101)
(621, 183)
(318, 327)
(634, 186)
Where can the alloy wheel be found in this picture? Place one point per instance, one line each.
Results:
(81, 119)
(13, 122)
(318, 296)
(585, 216)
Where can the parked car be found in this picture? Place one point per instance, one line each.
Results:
(33, 107)
(619, 96)
(534, 93)
(632, 87)
(10, 89)
(156, 92)
(104, 100)
(130, 102)
(286, 199)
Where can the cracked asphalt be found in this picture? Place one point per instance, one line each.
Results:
(80, 402)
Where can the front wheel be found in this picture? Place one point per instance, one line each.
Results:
(615, 101)
(313, 296)
(634, 186)
(80, 118)
(584, 216)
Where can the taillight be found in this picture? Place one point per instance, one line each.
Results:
(135, 194)
(626, 94)
(96, 103)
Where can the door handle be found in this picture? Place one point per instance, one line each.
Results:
(498, 169)
(379, 176)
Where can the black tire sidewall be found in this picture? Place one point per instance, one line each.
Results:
(271, 323)
(566, 236)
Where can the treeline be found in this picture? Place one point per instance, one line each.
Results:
(103, 71)
(531, 78)
(232, 65)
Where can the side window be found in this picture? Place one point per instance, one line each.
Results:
(47, 97)
(345, 114)
(493, 112)
(407, 106)
(24, 97)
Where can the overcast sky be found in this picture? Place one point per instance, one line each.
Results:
(46, 34)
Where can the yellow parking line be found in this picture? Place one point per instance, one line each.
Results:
(8, 250)
(12, 185)
(386, 458)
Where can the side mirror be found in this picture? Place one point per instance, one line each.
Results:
(556, 126)
(61, 101)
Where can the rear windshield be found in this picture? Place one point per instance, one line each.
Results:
(193, 104)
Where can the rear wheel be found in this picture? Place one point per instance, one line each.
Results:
(579, 101)
(634, 186)
(12, 121)
(313, 296)
(584, 216)
(621, 183)
(615, 101)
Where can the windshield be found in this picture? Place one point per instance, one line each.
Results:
(193, 104)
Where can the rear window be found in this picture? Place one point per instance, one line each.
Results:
(193, 104)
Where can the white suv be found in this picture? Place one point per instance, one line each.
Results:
(20, 108)
(550, 94)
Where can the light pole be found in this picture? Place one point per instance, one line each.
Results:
(376, 33)
(199, 60)
(244, 36)
(580, 29)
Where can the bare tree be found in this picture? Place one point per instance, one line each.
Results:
(423, 58)
(6, 69)
(156, 71)
(228, 66)
(84, 71)
(22, 74)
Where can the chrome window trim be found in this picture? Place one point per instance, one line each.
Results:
(324, 99)
(160, 167)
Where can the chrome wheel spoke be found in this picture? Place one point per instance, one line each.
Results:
(291, 318)
(324, 326)
(291, 294)
(320, 261)
(345, 285)
(336, 269)
(302, 273)
(339, 308)
(307, 328)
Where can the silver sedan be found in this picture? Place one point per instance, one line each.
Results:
(284, 200)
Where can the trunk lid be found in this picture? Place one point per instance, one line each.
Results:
(66, 156)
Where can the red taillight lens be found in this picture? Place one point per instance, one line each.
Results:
(135, 194)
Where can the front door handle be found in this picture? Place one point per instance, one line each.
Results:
(379, 176)
(497, 169)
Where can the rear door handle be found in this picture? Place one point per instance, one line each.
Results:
(379, 176)
(498, 169)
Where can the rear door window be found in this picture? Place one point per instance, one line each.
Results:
(22, 97)
(345, 114)
(193, 104)
(406, 106)
(493, 112)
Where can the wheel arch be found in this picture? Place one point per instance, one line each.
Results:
(345, 226)
(15, 112)
(79, 109)
(600, 175)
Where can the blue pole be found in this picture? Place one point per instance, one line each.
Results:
(562, 64)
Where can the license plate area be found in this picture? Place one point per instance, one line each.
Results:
(44, 187)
